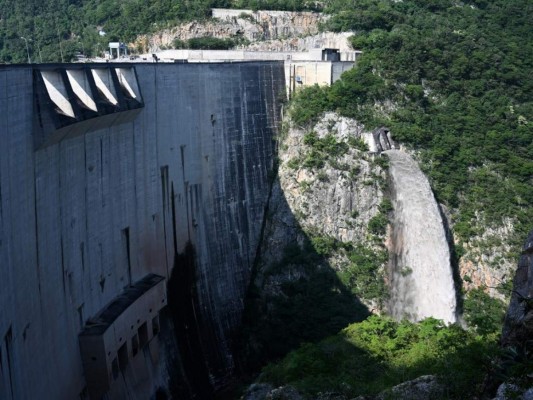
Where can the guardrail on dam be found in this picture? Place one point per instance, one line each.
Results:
(117, 182)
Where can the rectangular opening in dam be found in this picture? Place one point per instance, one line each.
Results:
(128, 83)
(81, 88)
(104, 84)
(106, 339)
(126, 251)
(143, 335)
(123, 356)
(155, 325)
(135, 345)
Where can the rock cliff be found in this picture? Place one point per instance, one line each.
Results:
(335, 194)
(518, 326)
(328, 190)
(489, 259)
(245, 24)
(515, 365)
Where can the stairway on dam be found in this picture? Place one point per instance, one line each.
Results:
(116, 179)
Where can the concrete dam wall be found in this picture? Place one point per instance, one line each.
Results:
(113, 184)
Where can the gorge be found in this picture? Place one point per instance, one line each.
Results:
(163, 231)
(131, 170)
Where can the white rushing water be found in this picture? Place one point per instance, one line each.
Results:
(421, 275)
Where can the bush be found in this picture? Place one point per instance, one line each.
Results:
(308, 104)
(374, 355)
(357, 143)
(363, 275)
(210, 43)
(484, 313)
(324, 245)
(378, 224)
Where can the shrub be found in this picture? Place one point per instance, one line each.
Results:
(483, 313)
(210, 43)
(374, 355)
(378, 224)
(357, 143)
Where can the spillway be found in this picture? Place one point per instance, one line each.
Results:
(421, 277)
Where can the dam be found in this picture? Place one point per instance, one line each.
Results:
(119, 182)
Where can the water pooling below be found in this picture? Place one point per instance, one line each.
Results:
(421, 275)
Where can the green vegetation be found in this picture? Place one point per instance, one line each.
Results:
(453, 80)
(310, 304)
(56, 29)
(207, 43)
(321, 150)
(378, 223)
(363, 276)
(357, 143)
(515, 365)
(289, 5)
(484, 313)
(369, 357)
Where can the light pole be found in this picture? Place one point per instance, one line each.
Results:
(27, 48)
(39, 49)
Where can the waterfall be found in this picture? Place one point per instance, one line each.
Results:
(421, 275)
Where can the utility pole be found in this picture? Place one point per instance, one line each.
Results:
(59, 41)
(27, 48)
(39, 50)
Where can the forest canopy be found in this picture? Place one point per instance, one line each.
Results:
(452, 80)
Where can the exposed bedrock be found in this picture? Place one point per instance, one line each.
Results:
(421, 275)
(96, 210)
(518, 327)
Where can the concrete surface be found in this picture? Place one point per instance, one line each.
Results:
(83, 218)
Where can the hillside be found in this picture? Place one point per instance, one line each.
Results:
(451, 81)
(57, 29)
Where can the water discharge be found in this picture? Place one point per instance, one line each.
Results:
(421, 275)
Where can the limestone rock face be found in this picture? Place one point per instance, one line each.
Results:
(340, 199)
(488, 259)
(510, 391)
(422, 388)
(518, 332)
(246, 24)
(267, 392)
(336, 200)
(320, 40)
